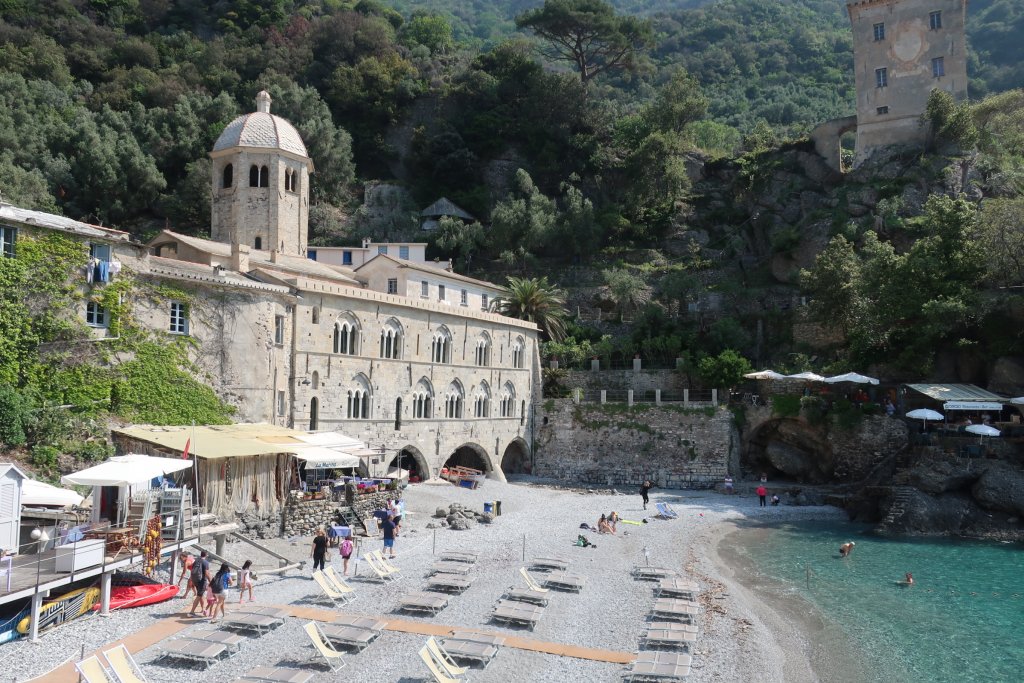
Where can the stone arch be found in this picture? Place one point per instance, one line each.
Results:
(411, 458)
(227, 177)
(516, 459)
(471, 455)
(827, 136)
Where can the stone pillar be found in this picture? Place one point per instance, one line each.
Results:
(37, 603)
(714, 397)
(604, 396)
(686, 398)
(105, 592)
(657, 397)
(577, 396)
(629, 397)
(595, 364)
(554, 363)
(637, 364)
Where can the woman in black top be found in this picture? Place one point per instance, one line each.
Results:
(319, 549)
(644, 488)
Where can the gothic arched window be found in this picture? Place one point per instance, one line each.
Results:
(441, 346)
(264, 176)
(228, 176)
(454, 398)
(423, 400)
(391, 340)
(358, 403)
(346, 335)
(254, 176)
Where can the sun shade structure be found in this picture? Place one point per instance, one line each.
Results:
(960, 396)
(40, 494)
(239, 440)
(807, 376)
(764, 374)
(982, 430)
(125, 470)
(853, 377)
(925, 414)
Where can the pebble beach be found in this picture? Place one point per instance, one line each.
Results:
(742, 636)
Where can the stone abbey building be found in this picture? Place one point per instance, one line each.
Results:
(396, 352)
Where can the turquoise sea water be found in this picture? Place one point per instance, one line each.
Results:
(963, 620)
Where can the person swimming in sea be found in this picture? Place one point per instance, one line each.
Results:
(846, 548)
(907, 581)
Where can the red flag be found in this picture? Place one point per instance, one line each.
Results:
(184, 453)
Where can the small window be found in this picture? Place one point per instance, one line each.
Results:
(464, 298)
(316, 315)
(99, 251)
(392, 285)
(179, 318)
(8, 236)
(424, 289)
(311, 254)
(288, 187)
(264, 176)
(95, 315)
(882, 111)
(881, 78)
(403, 253)
(254, 176)
(935, 20)
(279, 330)
(879, 31)
(228, 176)
(483, 302)
(382, 249)
(938, 67)
(280, 404)
(258, 243)
(440, 292)
(346, 258)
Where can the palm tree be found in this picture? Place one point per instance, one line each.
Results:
(535, 300)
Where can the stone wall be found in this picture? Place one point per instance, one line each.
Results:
(858, 450)
(301, 516)
(624, 380)
(613, 445)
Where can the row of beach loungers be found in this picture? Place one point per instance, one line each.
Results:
(673, 625)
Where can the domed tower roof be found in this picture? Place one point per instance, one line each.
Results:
(261, 129)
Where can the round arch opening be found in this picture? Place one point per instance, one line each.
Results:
(470, 455)
(410, 458)
(516, 459)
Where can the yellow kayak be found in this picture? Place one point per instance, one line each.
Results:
(65, 608)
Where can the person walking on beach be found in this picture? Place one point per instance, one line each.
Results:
(644, 490)
(846, 548)
(200, 578)
(245, 578)
(319, 551)
(390, 531)
(762, 493)
(346, 547)
(187, 560)
(219, 586)
(728, 485)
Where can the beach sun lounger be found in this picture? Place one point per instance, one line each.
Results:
(369, 623)
(202, 651)
(423, 602)
(517, 613)
(340, 583)
(123, 665)
(445, 661)
(250, 621)
(279, 674)
(450, 568)
(471, 650)
(530, 583)
(678, 610)
(672, 626)
(379, 572)
(454, 556)
(563, 581)
(385, 563)
(670, 638)
(91, 670)
(329, 591)
(550, 563)
(449, 582)
(526, 595)
(659, 666)
(266, 610)
(349, 636)
(232, 641)
(438, 675)
(323, 648)
(653, 573)
(665, 511)
(476, 637)
(677, 588)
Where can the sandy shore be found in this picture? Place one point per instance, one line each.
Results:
(744, 633)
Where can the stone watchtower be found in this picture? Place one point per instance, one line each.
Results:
(261, 183)
(902, 50)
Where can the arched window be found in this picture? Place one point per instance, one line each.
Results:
(517, 352)
(228, 176)
(257, 243)
(391, 340)
(316, 380)
(454, 398)
(482, 354)
(358, 399)
(398, 413)
(346, 336)
(441, 346)
(507, 403)
(482, 401)
(264, 176)
(316, 315)
(254, 176)
(314, 413)
(522, 412)
(423, 400)
(287, 180)
(295, 181)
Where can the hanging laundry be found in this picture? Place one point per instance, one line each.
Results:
(104, 271)
(115, 268)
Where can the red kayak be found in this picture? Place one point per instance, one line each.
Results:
(137, 596)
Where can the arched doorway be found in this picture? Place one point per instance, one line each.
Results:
(410, 458)
(516, 459)
(470, 455)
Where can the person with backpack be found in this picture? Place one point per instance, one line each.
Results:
(199, 578)
(346, 547)
(219, 585)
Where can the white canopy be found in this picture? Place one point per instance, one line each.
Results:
(331, 440)
(808, 376)
(40, 494)
(125, 470)
(982, 430)
(327, 458)
(851, 377)
(764, 374)
(925, 414)
(1019, 400)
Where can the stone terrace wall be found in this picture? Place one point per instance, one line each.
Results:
(857, 451)
(301, 516)
(624, 380)
(612, 445)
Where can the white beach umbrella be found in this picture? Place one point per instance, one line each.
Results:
(40, 494)
(982, 430)
(764, 374)
(1019, 400)
(853, 377)
(807, 376)
(924, 414)
(126, 470)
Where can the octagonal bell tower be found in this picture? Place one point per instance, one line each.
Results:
(260, 183)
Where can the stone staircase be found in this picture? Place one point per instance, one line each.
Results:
(901, 495)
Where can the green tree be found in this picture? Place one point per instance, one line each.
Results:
(429, 30)
(628, 290)
(1001, 237)
(461, 238)
(723, 371)
(525, 221)
(677, 104)
(588, 34)
(950, 122)
(535, 300)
